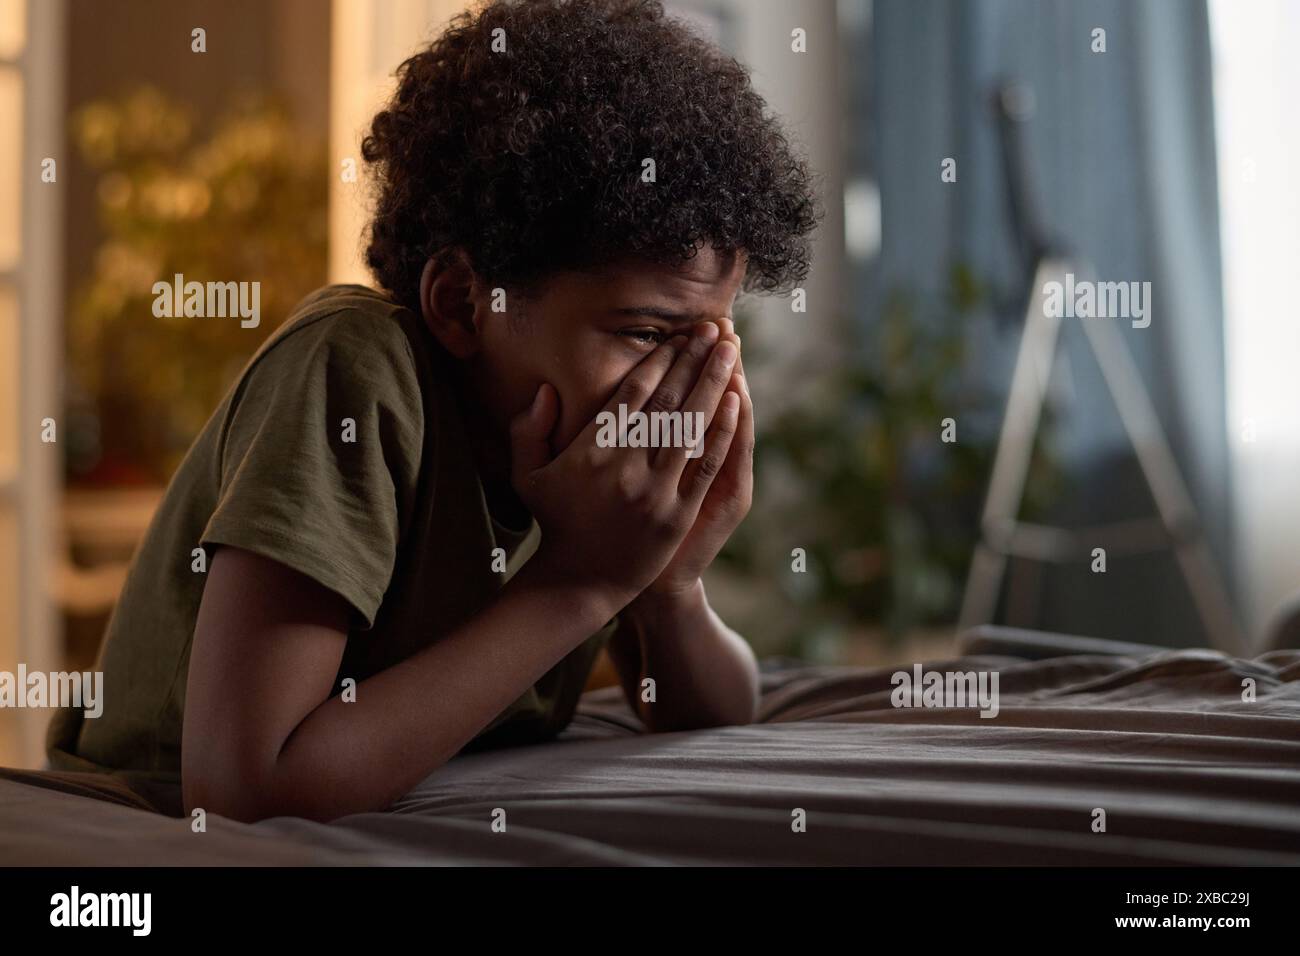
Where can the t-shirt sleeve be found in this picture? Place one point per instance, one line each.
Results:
(320, 457)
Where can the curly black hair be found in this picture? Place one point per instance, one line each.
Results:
(530, 158)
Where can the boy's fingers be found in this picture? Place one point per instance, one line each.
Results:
(729, 330)
(676, 384)
(530, 431)
(738, 469)
(639, 384)
(699, 475)
(635, 388)
(703, 400)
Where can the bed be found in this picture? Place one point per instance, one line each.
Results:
(1185, 770)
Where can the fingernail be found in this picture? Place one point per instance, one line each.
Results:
(726, 352)
(707, 331)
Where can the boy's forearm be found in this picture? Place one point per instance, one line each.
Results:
(408, 720)
(704, 673)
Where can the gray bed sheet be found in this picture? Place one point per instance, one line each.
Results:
(1186, 771)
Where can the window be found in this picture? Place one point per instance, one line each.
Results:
(1255, 75)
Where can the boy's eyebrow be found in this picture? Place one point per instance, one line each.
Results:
(657, 312)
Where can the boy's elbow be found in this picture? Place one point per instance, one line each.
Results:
(217, 796)
(242, 794)
(253, 796)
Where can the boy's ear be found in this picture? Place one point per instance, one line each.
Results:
(447, 303)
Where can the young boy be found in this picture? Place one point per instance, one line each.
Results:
(398, 538)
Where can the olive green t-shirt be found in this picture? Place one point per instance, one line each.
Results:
(341, 452)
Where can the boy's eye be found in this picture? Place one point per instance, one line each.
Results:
(646, 336)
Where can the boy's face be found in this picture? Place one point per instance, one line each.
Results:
(585, 332)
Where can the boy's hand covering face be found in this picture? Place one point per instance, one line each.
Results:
(729, 496)
(626, 518)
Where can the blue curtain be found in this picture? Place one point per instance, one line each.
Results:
(1124, 155)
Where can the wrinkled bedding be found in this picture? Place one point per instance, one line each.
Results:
(1162, 741)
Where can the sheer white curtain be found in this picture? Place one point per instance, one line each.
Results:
(1257, 73)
